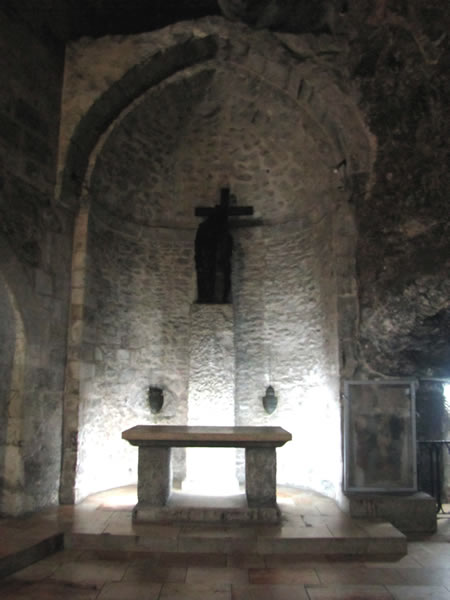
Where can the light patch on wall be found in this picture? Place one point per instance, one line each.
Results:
(447, 397)
(317, 441)
(211, 472)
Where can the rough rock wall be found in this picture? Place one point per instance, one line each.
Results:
(401, 59)
(35, 245)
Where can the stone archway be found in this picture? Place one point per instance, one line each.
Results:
(305, 101)
(12, 360)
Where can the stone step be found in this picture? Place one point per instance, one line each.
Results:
(19, 559)
(223, 510)
(385, 540)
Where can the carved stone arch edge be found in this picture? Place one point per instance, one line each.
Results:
(13, 500)
(316, 87)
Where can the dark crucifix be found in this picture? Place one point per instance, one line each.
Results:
(213, 248)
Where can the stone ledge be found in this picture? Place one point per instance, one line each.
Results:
(186, 508)
(410, 513)
(206, 437)
(27, 556)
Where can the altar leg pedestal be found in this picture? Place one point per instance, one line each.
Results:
(261, 477)
(154, 476)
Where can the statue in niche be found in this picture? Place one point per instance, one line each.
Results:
(213, 249)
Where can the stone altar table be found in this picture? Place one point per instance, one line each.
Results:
(155, 501)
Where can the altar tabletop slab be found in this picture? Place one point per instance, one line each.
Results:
(188, 436)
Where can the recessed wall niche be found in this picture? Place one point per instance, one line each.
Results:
(171, 149)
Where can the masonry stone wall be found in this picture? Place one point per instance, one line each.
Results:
(139, 293)
(286, 337)
(35, 248)
(233, 108)
(7, 343)
(140, 296)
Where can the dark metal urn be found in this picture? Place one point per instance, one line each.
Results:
(155, 399)
(270, 401)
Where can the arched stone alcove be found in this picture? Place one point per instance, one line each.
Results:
(261, 124)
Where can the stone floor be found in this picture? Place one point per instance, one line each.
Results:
(106, 557)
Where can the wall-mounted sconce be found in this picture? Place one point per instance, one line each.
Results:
(155, 399)
(270, 401)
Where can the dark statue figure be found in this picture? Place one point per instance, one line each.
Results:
(213, 248)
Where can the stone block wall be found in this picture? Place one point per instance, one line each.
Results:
(140, 294)
(139, 290)
(286, 337)
(35, 248)
(8, 345)
(181, 113)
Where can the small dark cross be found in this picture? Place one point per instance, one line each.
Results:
(213, 248)
(230, 211)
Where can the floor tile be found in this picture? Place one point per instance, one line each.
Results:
(316, 546)
(90, 572)
(36, 571)
(64, 556)
(223, 544)
(269, 592)
(10, 588)
(283, 576)
(173, 591)
(294, 561)
(145, 561)
(427, 576)
(340, 520)
(349, 592)
(216, 532)
(130, 591)
(359, 575)
(287, 532)
(141, 571)
(53, 590)
(246, 561)
(380, 529)
(187, 559)
(104, 554)
(419, 592)
(216, 575)
(345, 531)
(434, 560)
(121, 524)
(401, 563)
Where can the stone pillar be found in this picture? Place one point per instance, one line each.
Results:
(154, 475)
(211, 397)
(261, 477)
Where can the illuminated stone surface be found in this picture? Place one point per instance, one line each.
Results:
(211, 397)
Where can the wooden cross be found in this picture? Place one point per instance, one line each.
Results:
(230, 211)
(213, 248)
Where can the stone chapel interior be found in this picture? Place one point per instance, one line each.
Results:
(117, 122)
